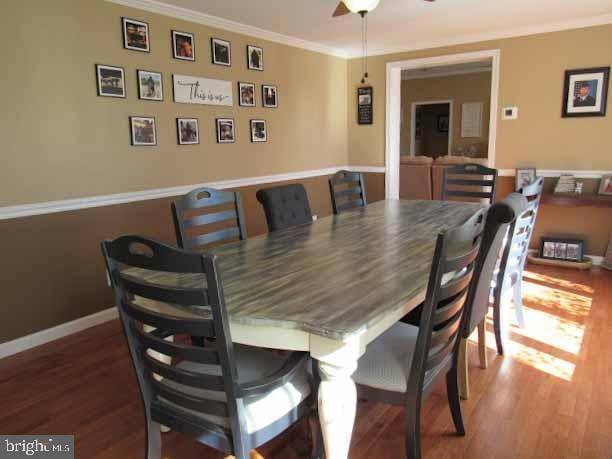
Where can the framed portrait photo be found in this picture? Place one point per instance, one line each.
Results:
(183, 46)
(523, 177)
(221, 51)
(255, 58)
(111, 81)
(246, 94)
(269, 96)
(585, 92)
(135, 35)
(143, 131)
(188, 131)
(225, 130)
(150, 85)
(605, 186)
(259, 131)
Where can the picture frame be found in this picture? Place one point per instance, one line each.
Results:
(150, 85)
(226, 132)
(365, 104)
(110, 81)
(605, 185)
(183, 46)
(246, 94)
(524, 176)
(585, 92)
(269, 96)
(221, 51)
(143, 131)
(255, 58)
(188, 131)
(259, 131)
(562, 249)
(443, 124)
(135, 35)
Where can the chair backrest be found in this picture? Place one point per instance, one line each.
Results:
(285, 206)
(171, 404)
(499, 219)
(469, 181)
(347, 191)
(188, 222)
(443, 310)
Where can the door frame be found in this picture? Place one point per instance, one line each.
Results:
(413, 121)
(394, 105)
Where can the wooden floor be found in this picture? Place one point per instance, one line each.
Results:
(550, 397)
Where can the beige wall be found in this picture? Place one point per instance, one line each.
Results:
(531, 77)
(60, 140)
(472, 87)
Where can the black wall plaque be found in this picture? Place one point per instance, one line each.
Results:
(365, 114)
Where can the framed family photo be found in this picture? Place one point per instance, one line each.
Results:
(188, 131)
(269, 95)
(255, 58)
(143, 131)
(259, 131)
(562, 249)
(221, 51)
(605, 186)
(183, 46)
(523, 177)
(246, 94)
(150, 85)
(225, 130)
(111, 81)
(585, 92)
(135, 35)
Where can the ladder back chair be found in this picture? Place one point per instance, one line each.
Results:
(285, 206)
(514, 257)
(230, 397)
(347, 191)
(187, 219)
(469, 182)
(405, 363)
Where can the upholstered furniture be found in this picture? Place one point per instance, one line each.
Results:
(469, 182)
(415, 177)
(230, 397)
(191, 218)
(405, 363)
(285, 206)
(347, 190)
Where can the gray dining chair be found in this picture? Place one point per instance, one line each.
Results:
(405, 363)
(469, 181)
(347, 191)
(227, 396)
(285, 206)
(192, 217)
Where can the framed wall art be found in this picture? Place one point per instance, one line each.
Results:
(585, 92)
(110, 81)
(135, 35)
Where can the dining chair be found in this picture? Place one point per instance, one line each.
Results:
(285, 206)
(347, 191)
(188, 216)
(500, 216)
(469, 181)
(405, 363)
(514, 257)
(230, 397)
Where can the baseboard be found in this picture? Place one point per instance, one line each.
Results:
(51, 334)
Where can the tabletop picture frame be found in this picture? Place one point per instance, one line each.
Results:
(553, 248)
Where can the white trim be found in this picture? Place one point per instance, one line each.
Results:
(393, 106)
(186, 14)
(40, 208)
(592, 21)
(51, 334)
(440, 74)
(413, 122)
(558, 172)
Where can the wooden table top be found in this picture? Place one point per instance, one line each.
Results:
(337, 276)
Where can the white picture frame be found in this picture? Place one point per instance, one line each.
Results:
(135, 35)
(110, 81)
(150, 85)
(198, 90)
(188, 131)
(221, 52)
(471, 119)
(143, 131)
(226, 130)
(259, 131)
(179, 50)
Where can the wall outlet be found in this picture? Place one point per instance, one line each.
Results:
(509, 113)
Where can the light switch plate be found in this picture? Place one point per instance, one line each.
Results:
(509, 113)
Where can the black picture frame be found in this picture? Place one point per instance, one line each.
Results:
(443, 124)
(595, 76)
(365, 103)
(179, 137)
(102, 91)
(265, 99)
(126, 38)
(241, 102)
(251, 64)
(213, 52)
(227, 121)
(133, 140)
(553, 248)
(175, 52)
(255, 137)
(142, 96)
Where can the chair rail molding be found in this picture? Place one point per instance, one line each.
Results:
(583, 174)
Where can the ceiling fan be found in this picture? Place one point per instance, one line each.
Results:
(361, 7)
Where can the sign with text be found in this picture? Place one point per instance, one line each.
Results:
(197, 90)
(365, 114)
(37, 446)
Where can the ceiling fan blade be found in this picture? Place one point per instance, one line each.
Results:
(341, 10)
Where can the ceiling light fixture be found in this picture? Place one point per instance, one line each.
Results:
(361, 6)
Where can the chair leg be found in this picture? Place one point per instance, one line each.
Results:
(153, 447)
(498, 320)
(452, 390)
(517, 293)
(482, 344)
(464, 382)
(316, 437)
(413, 432)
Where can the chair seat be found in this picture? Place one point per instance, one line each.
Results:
(252, 364)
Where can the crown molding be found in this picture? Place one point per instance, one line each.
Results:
(154, 6)
(582, 174)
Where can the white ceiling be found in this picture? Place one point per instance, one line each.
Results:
(406, 24)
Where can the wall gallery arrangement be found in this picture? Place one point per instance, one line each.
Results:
(111, 82)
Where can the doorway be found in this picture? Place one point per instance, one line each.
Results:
(431, 128)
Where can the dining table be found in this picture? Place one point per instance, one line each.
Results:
(330, 288)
